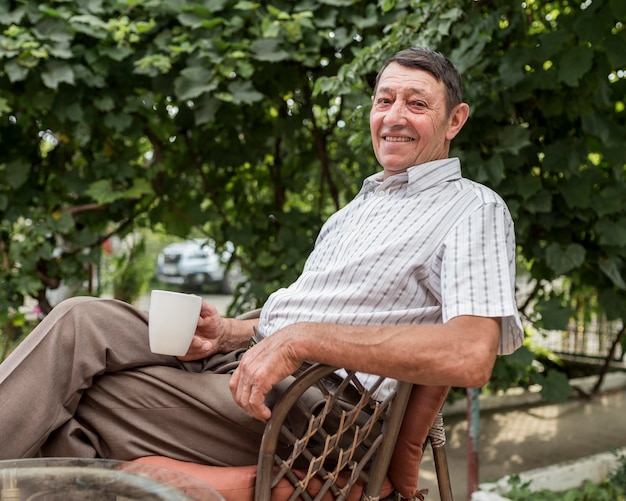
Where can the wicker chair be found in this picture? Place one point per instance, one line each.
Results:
(329, 439)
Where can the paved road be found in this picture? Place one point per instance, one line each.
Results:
(523, 438)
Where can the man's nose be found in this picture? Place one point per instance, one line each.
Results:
(395, 114)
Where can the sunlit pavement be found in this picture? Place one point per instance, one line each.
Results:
(521, 438)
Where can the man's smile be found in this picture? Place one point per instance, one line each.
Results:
(397, 139)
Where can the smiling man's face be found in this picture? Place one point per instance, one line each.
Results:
(409, 121)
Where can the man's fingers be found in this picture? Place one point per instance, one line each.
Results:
(258, 409)
(199, 348)
(248, 395)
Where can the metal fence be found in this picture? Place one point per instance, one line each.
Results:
(592, 339)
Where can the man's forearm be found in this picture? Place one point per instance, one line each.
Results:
(459, 353)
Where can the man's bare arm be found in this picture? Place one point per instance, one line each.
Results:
(460, 352)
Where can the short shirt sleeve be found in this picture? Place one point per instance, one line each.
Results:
(478, 271)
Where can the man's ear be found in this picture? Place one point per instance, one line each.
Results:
(458, 117)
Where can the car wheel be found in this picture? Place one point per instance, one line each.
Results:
(197, 279)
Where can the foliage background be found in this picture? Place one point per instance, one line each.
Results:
(247, 122)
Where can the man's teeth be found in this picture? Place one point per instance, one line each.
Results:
(397, 139)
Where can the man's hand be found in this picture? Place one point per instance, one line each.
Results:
(210, 334)
(263, 365)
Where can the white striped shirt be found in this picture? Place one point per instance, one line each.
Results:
(420, 247)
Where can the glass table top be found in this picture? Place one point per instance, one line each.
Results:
(74, 479)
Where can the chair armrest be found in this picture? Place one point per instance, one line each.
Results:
(329, 431)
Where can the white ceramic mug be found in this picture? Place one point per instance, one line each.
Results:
(173, 319)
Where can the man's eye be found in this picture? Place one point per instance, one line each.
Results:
(419, 104)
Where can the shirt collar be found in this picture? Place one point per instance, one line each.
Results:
(419, 177)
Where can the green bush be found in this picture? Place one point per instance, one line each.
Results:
(611, 489)
(128, 271)
(618, 476)
(588, 491)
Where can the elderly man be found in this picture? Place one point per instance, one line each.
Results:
(414, 280)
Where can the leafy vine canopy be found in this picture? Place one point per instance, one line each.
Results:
(246, 121)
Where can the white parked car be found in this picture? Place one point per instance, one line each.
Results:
(195, 263)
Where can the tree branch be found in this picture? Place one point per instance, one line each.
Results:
(319, 137)
(607, 361)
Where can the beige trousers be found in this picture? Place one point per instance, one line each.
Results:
(85, 384)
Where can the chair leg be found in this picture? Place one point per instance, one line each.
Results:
(443, 475)
(437, 436)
